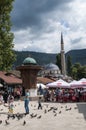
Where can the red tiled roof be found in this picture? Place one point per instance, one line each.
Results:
(44, 80)
(9, 78)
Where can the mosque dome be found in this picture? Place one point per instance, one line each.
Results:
(29, 61)
(51, 66)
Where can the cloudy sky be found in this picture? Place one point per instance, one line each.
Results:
(37, 25)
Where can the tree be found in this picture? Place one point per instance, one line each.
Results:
(58, 60)
(74, 72)
(78, 71)
(7, 55)
(81, 72)
(69, 65)
(77, 65)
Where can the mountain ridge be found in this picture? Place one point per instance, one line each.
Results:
(42, 58)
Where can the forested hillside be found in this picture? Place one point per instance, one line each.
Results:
(41, 58)
(45, 58)
(78, 56)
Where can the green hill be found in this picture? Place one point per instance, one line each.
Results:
(45, 58)
(41, 58)
(78, 56)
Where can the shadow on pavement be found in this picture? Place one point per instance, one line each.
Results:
(82, 108)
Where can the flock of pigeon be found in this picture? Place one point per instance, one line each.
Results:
(46, 108)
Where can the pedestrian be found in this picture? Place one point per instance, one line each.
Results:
(39, 103)
(26, 101)
(40, 90)
(10, 103)
(5, 96)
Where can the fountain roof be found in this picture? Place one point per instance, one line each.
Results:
(29, 61)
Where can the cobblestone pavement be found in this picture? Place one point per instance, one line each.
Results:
(52, 116)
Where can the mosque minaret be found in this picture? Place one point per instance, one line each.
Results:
(63, 65)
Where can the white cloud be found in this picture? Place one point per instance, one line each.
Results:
(71, 21)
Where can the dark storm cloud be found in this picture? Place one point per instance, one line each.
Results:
(30, 13)
(77, 40)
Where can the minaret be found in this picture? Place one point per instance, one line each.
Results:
(63, 66)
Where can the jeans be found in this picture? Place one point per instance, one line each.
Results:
(26, 106)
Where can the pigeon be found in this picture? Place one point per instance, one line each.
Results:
(35, 115)
(31, 115)
(11, 116)
(18, 116)
(55, 114)
(70, 108)
(50, 109)
(0, 121)
(67, 109)
(59, 112)
(54, 111)
(7, 123)
(45, 111)
(75, 108)
(39, 117)
(24, 123)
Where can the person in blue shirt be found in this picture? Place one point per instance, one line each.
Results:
(40, 90)
(26, 102)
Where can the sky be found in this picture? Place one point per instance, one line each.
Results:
(37, 25)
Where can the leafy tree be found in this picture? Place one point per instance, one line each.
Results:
(58, 60)
(78, 71)
(81, 72)
(77, 65)
(7, 56)
(74, 72)
(69, 65)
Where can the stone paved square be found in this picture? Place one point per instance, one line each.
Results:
(53, 116)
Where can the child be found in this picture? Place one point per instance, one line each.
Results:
(10, 103)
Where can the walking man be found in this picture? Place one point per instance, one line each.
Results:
(26, 102)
